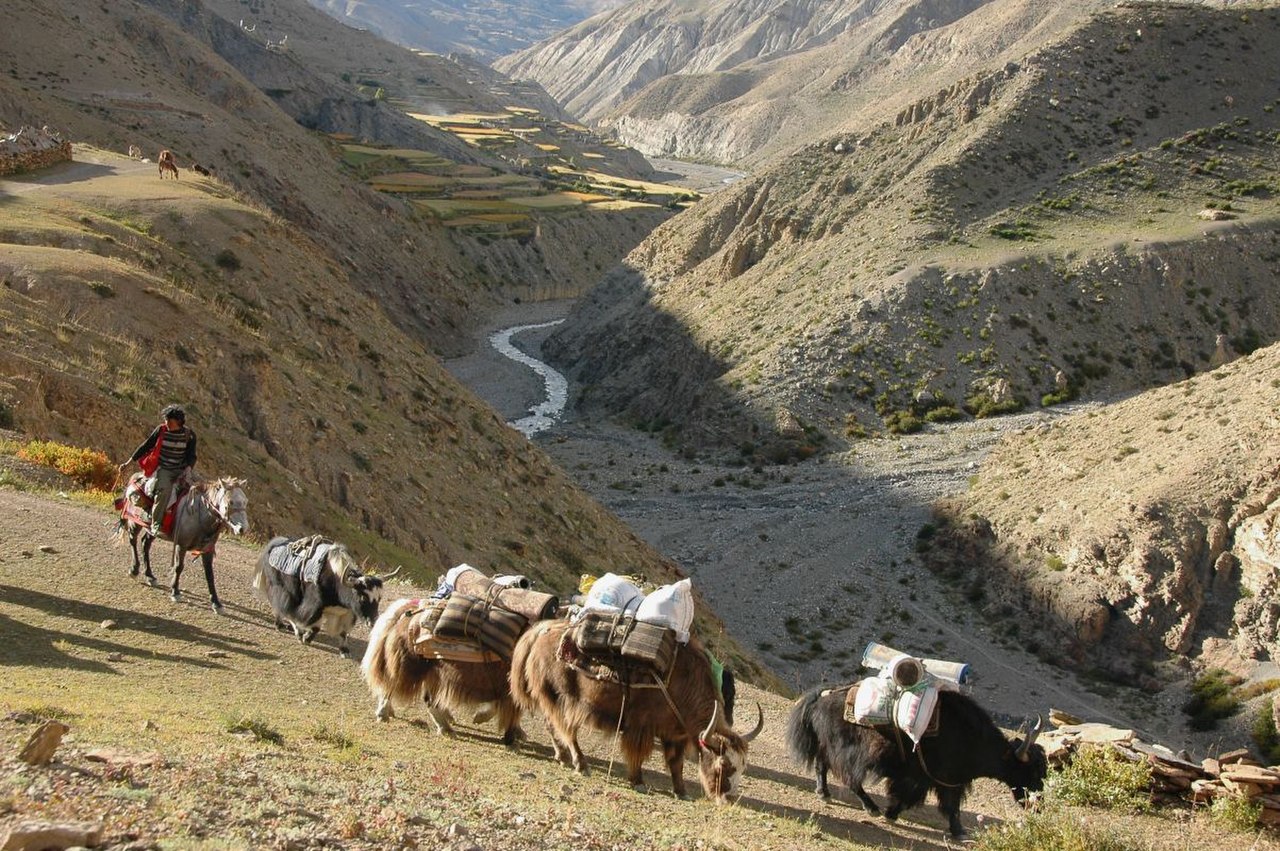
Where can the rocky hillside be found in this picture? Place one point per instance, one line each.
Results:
(296, 312)
(483, 30)
(1098, 218)
(725, 80)
(1115, 543)
(254, 105)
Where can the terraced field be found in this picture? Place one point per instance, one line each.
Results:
(545, 181)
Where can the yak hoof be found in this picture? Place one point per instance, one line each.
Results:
(151, 580)
(176, 596)
(344, 653)
(641, 789)
(217, 607)
(133, 571)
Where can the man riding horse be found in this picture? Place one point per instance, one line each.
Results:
(168, 453)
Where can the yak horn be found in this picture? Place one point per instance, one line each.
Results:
(746, 737)
(392, 574)
(1024, 749)
(711, 725)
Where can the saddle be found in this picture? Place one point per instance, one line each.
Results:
(139, 497)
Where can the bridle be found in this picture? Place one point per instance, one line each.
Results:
(214, 500)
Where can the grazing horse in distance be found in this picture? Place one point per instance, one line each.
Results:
(135, 153)
(167, 162)
(199, 518)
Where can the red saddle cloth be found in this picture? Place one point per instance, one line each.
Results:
(135, 504)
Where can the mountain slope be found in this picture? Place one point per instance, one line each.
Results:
(1040, 219)
(482, 30)
(296, 312)
(724, 80)
(1138, 537)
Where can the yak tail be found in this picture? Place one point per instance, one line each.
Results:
(801, 736)
(373, 665)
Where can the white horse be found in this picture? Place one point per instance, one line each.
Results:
(199, 518)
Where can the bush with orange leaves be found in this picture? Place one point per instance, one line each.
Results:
(90, 469)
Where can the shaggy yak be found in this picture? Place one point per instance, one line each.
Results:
(570, 698)
(397, 676)
(968, 745)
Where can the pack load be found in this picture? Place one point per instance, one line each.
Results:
(950, 675)
(303, 558)
(482, 615)
(904, 695)
(619, 626)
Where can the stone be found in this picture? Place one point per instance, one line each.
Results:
(40, 748)
(31, 835)
(45, 548)
(1251, 774)
(1237, 755)
(1060, 718)
(107, 624)
(1216, 215)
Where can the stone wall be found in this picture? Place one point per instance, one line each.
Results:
(30, 149)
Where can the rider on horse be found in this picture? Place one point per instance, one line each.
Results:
(168, 453)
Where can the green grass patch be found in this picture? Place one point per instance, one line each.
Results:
(1100, 777)
(256, 727)
(1055, 829)
(1212, 699)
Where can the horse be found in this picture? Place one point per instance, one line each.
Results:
(167, 162)
(199, 518)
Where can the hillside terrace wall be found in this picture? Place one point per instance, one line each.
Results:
(30, 149)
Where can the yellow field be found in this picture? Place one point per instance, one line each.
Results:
(618, 204)
(409, 181)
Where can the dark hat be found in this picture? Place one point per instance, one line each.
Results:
(174, 412)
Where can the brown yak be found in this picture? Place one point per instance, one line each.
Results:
(569, 698)
(167, 162)
(397, 675)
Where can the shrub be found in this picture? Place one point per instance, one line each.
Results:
(1212, 699)
(1232, 813)
(1100, 777)
(256, 727)
(943, 414)
(981, 406)
(1057, 397)
(6, 415)
(86, 467)
(902, 422)
(227, 259)
(1265, 735)
(1053, 829)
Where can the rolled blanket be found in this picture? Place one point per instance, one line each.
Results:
(534, 605)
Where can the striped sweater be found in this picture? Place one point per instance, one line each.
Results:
(177, 448)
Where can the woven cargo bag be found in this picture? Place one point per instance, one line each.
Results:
(493, 628)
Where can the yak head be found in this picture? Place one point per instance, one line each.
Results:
(366, 588)
(722, 756)
(1024, 765)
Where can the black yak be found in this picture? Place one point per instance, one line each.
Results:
(968, 745)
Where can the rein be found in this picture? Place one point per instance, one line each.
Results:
(902, 751)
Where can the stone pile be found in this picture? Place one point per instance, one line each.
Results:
(1174, 779)
(30, 148)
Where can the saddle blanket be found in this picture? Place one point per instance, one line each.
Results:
(305, 562)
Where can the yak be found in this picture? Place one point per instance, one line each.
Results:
(321, 591)
(968, 745)
(397, 675)
(570, 698)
